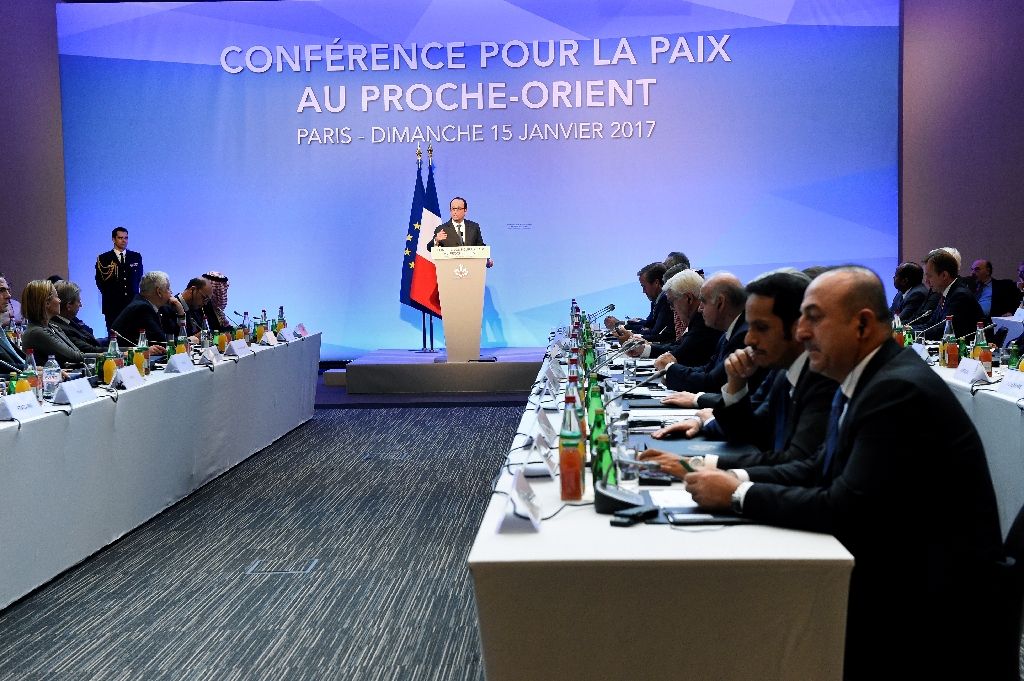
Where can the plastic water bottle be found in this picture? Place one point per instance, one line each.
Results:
(51, 378)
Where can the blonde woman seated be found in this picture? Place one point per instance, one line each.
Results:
(39, 304)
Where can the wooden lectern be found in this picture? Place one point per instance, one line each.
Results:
(461, 275)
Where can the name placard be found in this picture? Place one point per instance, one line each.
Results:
(179, 364)
(268, 338)
(544, 451)
(211, 355)
(237, 348)
(546, 429)
(553, 374)
(970, 371)
(521, 500)
(74, 392)
(921, 350)
(1013, 384)
(300, 331)
(129, 376)
(20, 406)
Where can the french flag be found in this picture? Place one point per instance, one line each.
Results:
(419, 275)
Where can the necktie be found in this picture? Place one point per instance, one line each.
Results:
(462, 234)
(5, 343)
(120, 257)
(832, 437)
(781, 403)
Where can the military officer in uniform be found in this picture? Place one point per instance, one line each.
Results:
(118, 272)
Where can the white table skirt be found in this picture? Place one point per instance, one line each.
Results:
(1000, 423)
(72, 484)
(583, 600)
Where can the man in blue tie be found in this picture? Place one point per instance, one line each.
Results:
(786, 417)
(915, 508)
(10, 355)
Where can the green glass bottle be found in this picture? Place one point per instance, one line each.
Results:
(594, 398)
(1014, 361)
(604, 466)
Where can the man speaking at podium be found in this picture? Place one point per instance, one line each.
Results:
(458, 231)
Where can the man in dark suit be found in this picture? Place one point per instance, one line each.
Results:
(913, 298)
(722, 300)
(118, 273)
(458, 231)
(699, 341)
(997, 297)
(9, 352)
(916, 509)
(955, 298)
(189, 306)
(659, 325)
(787, 415)
(143, 313)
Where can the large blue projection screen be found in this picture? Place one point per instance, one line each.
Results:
(590, 139)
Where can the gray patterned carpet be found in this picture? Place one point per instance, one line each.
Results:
(336, 553)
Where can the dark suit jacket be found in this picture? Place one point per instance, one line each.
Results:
(711, 377)
(80, 334)
(960, 303)
(117, 285)
(17, 359)
(193, 319)
(914, 302)
(45, 341)
(1005, 297)
(660, 325)
(916, 510)
(473, 235)
(139, 314)
(693, 348)
(753, 419)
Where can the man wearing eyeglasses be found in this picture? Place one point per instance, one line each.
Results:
(187, 306)
(9, 353)
(458, 231)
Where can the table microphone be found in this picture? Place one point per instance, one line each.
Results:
(653, 377)
(984, 328)
(11, 367)
(610, 307)
(926, 313)
(634, 341)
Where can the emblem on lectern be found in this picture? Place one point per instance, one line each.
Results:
(461, 272)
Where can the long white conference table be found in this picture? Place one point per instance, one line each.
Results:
(580, 599)
(71, 484)
(999, 419)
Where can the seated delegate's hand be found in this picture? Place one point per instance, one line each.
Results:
(686, 400)
(636, 351)
(712, 489)
(157, 350)
(670, 463)
(688, 428)
(622, 334)
(611, 322)
(663, 360)
(440, 236)
(739, 366)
